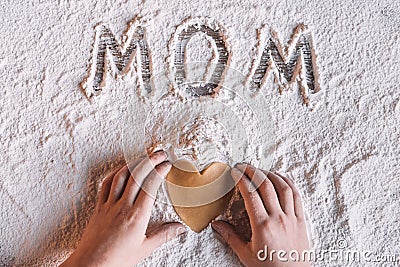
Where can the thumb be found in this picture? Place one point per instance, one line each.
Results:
(163, 234)
(227, 232)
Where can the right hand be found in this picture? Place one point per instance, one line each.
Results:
(116, 233)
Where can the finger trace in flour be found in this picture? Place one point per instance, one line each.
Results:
(294, 63)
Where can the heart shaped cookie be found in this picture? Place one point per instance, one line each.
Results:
(199, 197)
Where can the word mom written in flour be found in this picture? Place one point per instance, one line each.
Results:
(294, 62)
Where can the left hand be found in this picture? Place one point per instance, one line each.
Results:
(276, 219)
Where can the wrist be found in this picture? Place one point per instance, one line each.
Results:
(76, 260)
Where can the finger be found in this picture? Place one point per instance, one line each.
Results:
(226, 231)
(148, 192)
(118, 184)
(298, 206)
(252, 201)
(162, 235)
(256, 176)
(106, 187)
(120, 180)
(142, 170)
(266, 188)
(131, 188)
(285, 194)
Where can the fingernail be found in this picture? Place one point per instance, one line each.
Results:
(240, 164)
(163, 169)
(161, 152)
(236, 174)
(167, 164)
(241, 167)
(217, 228)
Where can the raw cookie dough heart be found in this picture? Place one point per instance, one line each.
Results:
(199, 197)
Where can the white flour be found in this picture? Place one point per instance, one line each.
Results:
(342, 150)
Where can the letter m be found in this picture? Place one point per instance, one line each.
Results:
(109, 55)
(294, 62)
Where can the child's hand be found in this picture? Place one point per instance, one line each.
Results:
(276, 219)
(116, 233)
